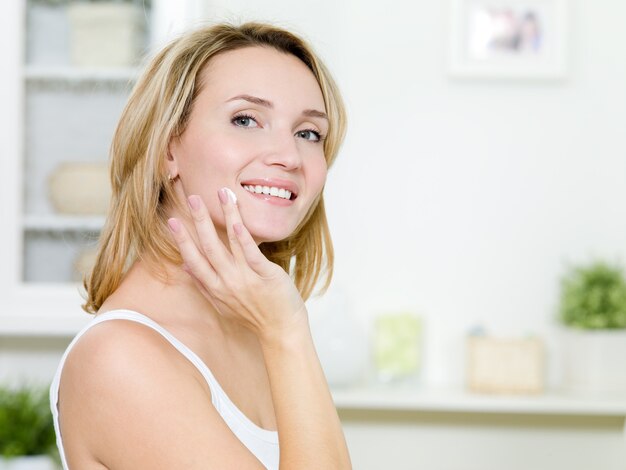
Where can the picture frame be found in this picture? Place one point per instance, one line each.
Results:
(508, 39)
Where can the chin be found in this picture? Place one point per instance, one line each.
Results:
(265, 235)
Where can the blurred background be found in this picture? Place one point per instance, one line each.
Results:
(477, 316)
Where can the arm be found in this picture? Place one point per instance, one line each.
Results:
(243, 285)
(130, 401)
(308, 425)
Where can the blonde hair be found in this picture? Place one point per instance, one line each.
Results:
(158, 110)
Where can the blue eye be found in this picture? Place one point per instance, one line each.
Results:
(309, 134)
(244, 120)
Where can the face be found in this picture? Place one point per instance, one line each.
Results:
(257, 127)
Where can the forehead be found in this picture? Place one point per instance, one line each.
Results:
(264, 72)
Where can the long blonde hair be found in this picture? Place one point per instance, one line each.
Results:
(158, 110)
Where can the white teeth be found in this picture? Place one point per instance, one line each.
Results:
(269, 190)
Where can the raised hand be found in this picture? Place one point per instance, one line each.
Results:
(239, 281)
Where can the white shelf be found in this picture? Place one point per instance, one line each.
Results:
(42, 310)
(60, 223)
(460, 401)
(33, 73)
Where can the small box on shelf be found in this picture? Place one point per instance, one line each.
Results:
(505, 365)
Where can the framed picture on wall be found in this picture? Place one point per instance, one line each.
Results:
(508, 38)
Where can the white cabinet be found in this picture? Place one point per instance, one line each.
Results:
(60, 108)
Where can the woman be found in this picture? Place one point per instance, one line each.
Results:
(200, 348)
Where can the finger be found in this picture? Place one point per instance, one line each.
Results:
(253, 256)
(209, 242)
(232, 217)
(196, 263)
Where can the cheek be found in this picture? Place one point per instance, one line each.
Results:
(317, 175)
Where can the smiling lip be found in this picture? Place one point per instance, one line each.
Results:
(276, 182)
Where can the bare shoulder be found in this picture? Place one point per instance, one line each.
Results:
(120, 349)
(129, 399)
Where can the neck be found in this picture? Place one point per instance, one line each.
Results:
(172, 298)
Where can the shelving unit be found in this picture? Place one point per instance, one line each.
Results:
(61, 223)
(70, 113)
(459, 401)
(55, 112)
(34, 73)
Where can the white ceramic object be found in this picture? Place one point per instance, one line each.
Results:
(31, 462)
(80, 188)
(340, 341)
(594, 361)
(105, 34)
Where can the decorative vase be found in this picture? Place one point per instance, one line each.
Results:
(593, 361)
(397, 347)
(80, 188)
(30, 462)
(105, 34)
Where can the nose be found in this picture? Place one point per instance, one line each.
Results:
(283, 151)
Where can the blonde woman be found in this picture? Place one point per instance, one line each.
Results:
(200, 354)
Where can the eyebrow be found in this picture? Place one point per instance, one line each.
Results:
(270, 105)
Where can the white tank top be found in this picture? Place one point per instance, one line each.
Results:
(261, 442)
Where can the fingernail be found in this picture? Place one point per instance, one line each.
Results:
(194, 202)
(174, 225)
(238, 228)
(223, 195)
(226, 195)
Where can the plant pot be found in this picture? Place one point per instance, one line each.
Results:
(593, 361)
(105, 34)
(30, 462)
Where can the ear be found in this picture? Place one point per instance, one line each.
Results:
(171, 162)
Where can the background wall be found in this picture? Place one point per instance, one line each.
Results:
(464, 199)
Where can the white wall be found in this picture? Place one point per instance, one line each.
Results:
(461, 199)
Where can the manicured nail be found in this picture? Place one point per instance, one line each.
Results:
(226, 195)
(194, 202)
(223, 195)
(238, 228)
(174, 225)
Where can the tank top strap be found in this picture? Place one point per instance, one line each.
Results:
(216, 390)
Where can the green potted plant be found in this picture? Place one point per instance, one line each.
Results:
(27, 438)
(593, 310)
